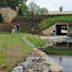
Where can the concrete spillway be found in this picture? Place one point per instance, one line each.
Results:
(55, 38)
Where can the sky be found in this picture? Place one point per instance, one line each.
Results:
(53, 5)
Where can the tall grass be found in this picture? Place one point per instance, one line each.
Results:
(35, 40)
(13, 48)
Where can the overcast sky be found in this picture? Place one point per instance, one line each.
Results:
(53, 5)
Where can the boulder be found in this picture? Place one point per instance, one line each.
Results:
(56, 68)
(7, 14)
(38, 52)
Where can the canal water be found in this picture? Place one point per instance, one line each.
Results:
(64, 61)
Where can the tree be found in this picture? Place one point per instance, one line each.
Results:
(15, 3)
(11, 3)
(44, 11)
(23, 8)
(33, 7)
(3, 3)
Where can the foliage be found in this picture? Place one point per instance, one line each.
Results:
(43, 11)
(52, 20)
(3, 3)
(11, 3)
(33, 7)
(23, 8)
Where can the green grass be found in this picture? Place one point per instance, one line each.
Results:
(52, 20)
(13, 48)
(35, 40)
(59, 51)
(10, 46)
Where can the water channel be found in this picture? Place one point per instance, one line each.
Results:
(64, 61)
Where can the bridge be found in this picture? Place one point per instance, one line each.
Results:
(27, 23)
(59, 13)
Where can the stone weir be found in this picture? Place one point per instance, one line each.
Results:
(38, 62)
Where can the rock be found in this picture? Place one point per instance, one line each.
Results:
(56, 68)
(8, 14)
(39, 66)
(26, 64)
(30, 70)
(38, 52)
(41, 63)
(18, 69)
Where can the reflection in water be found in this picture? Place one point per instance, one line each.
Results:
(60, 58)
(64, 61)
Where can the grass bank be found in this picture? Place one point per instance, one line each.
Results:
(35, 40)
(60, 51)
(51, 20)
(14, 48)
